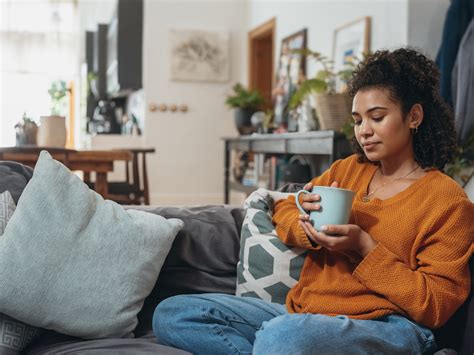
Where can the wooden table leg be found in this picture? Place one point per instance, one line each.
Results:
(101, 186)
(226, 171)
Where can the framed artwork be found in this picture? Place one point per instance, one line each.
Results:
(350, 43)
(197, 55)
(291, 66)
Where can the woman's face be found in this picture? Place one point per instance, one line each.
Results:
(379, 126)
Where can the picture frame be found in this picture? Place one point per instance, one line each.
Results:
(199, 55)
(291, 67)
(350, 43)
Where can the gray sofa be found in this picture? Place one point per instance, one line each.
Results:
(203, 258)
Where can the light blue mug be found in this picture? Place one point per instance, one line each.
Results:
(336, 204)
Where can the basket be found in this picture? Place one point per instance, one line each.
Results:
(333, 110)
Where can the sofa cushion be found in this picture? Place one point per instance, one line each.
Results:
(76, 263)
(267, 268)
(203, 257)
(14, 335)
(14, 177)
(58, 344)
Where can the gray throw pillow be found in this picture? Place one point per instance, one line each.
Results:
(75, 263)
(267, 268)
(14, 335)
(14, 177)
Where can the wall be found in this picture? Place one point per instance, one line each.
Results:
(321, 18)
(92, 13)
(395, 23)
(188, 165)
(425, 24)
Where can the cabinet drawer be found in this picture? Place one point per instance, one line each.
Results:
(269, 146)
(310, 146)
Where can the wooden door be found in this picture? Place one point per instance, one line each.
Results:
(261, 43)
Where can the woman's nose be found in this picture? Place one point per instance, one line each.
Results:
(365, 128)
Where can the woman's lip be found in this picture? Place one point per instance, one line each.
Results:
(369, 146)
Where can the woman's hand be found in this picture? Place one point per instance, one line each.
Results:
(341, 238)
(307, 201)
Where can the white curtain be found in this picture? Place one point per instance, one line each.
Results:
(38, 45)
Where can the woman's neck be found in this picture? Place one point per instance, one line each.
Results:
(399, 167)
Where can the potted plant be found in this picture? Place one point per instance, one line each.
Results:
(52, 130)
(26, 131)
(245, 102)
(333, 108)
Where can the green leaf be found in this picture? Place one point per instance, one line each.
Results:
(244, 98)
(307, 87)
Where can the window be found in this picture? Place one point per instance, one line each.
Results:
(38, 45)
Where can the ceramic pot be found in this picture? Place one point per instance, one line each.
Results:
(52, 131)
(26, 133)
(242, 120)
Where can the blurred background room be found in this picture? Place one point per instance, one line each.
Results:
(158, 79)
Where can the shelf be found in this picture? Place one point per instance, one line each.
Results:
(315, 143)
(330, 144)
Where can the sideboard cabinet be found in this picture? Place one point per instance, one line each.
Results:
(328, 144)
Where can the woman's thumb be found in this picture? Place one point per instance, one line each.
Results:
(335, 184)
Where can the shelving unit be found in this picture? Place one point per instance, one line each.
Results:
(331, 144)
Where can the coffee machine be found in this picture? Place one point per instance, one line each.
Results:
(105, 119)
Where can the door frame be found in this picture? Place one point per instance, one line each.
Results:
(267, 29)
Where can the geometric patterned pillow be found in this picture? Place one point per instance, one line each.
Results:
(7, 207)
(14, 335)
(267, 268)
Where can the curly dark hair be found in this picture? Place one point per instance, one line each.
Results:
(411, 78)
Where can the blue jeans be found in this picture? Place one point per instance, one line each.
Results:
(224, 324)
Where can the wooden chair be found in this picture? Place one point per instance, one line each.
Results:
(134, 190)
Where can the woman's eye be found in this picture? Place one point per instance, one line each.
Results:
(357, 123)
(378, 118)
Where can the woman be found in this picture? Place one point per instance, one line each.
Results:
(398, 269)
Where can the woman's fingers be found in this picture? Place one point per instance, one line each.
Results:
(305, 226)
(303, 217)
(308, 186)
(308, 202)
(337, 229)
(311, 197)
(335, 184)
(310, 206)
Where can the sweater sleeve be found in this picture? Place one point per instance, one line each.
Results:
(431, 292)
(286, 215)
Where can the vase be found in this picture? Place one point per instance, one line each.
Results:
(333, 110)
(242, 120)
(26, 133)
(52, 132)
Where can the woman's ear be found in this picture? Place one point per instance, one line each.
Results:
(416, 116)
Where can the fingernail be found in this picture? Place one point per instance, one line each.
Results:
(324, 228)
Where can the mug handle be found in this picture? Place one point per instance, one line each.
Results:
(297, 200)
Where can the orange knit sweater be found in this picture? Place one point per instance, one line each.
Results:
(418, 269)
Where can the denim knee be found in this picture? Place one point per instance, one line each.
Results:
(295, 334)
(166, 318)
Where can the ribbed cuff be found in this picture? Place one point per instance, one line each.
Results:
(301, 235)
(371, 262)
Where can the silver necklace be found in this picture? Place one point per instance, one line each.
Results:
(366, 197)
